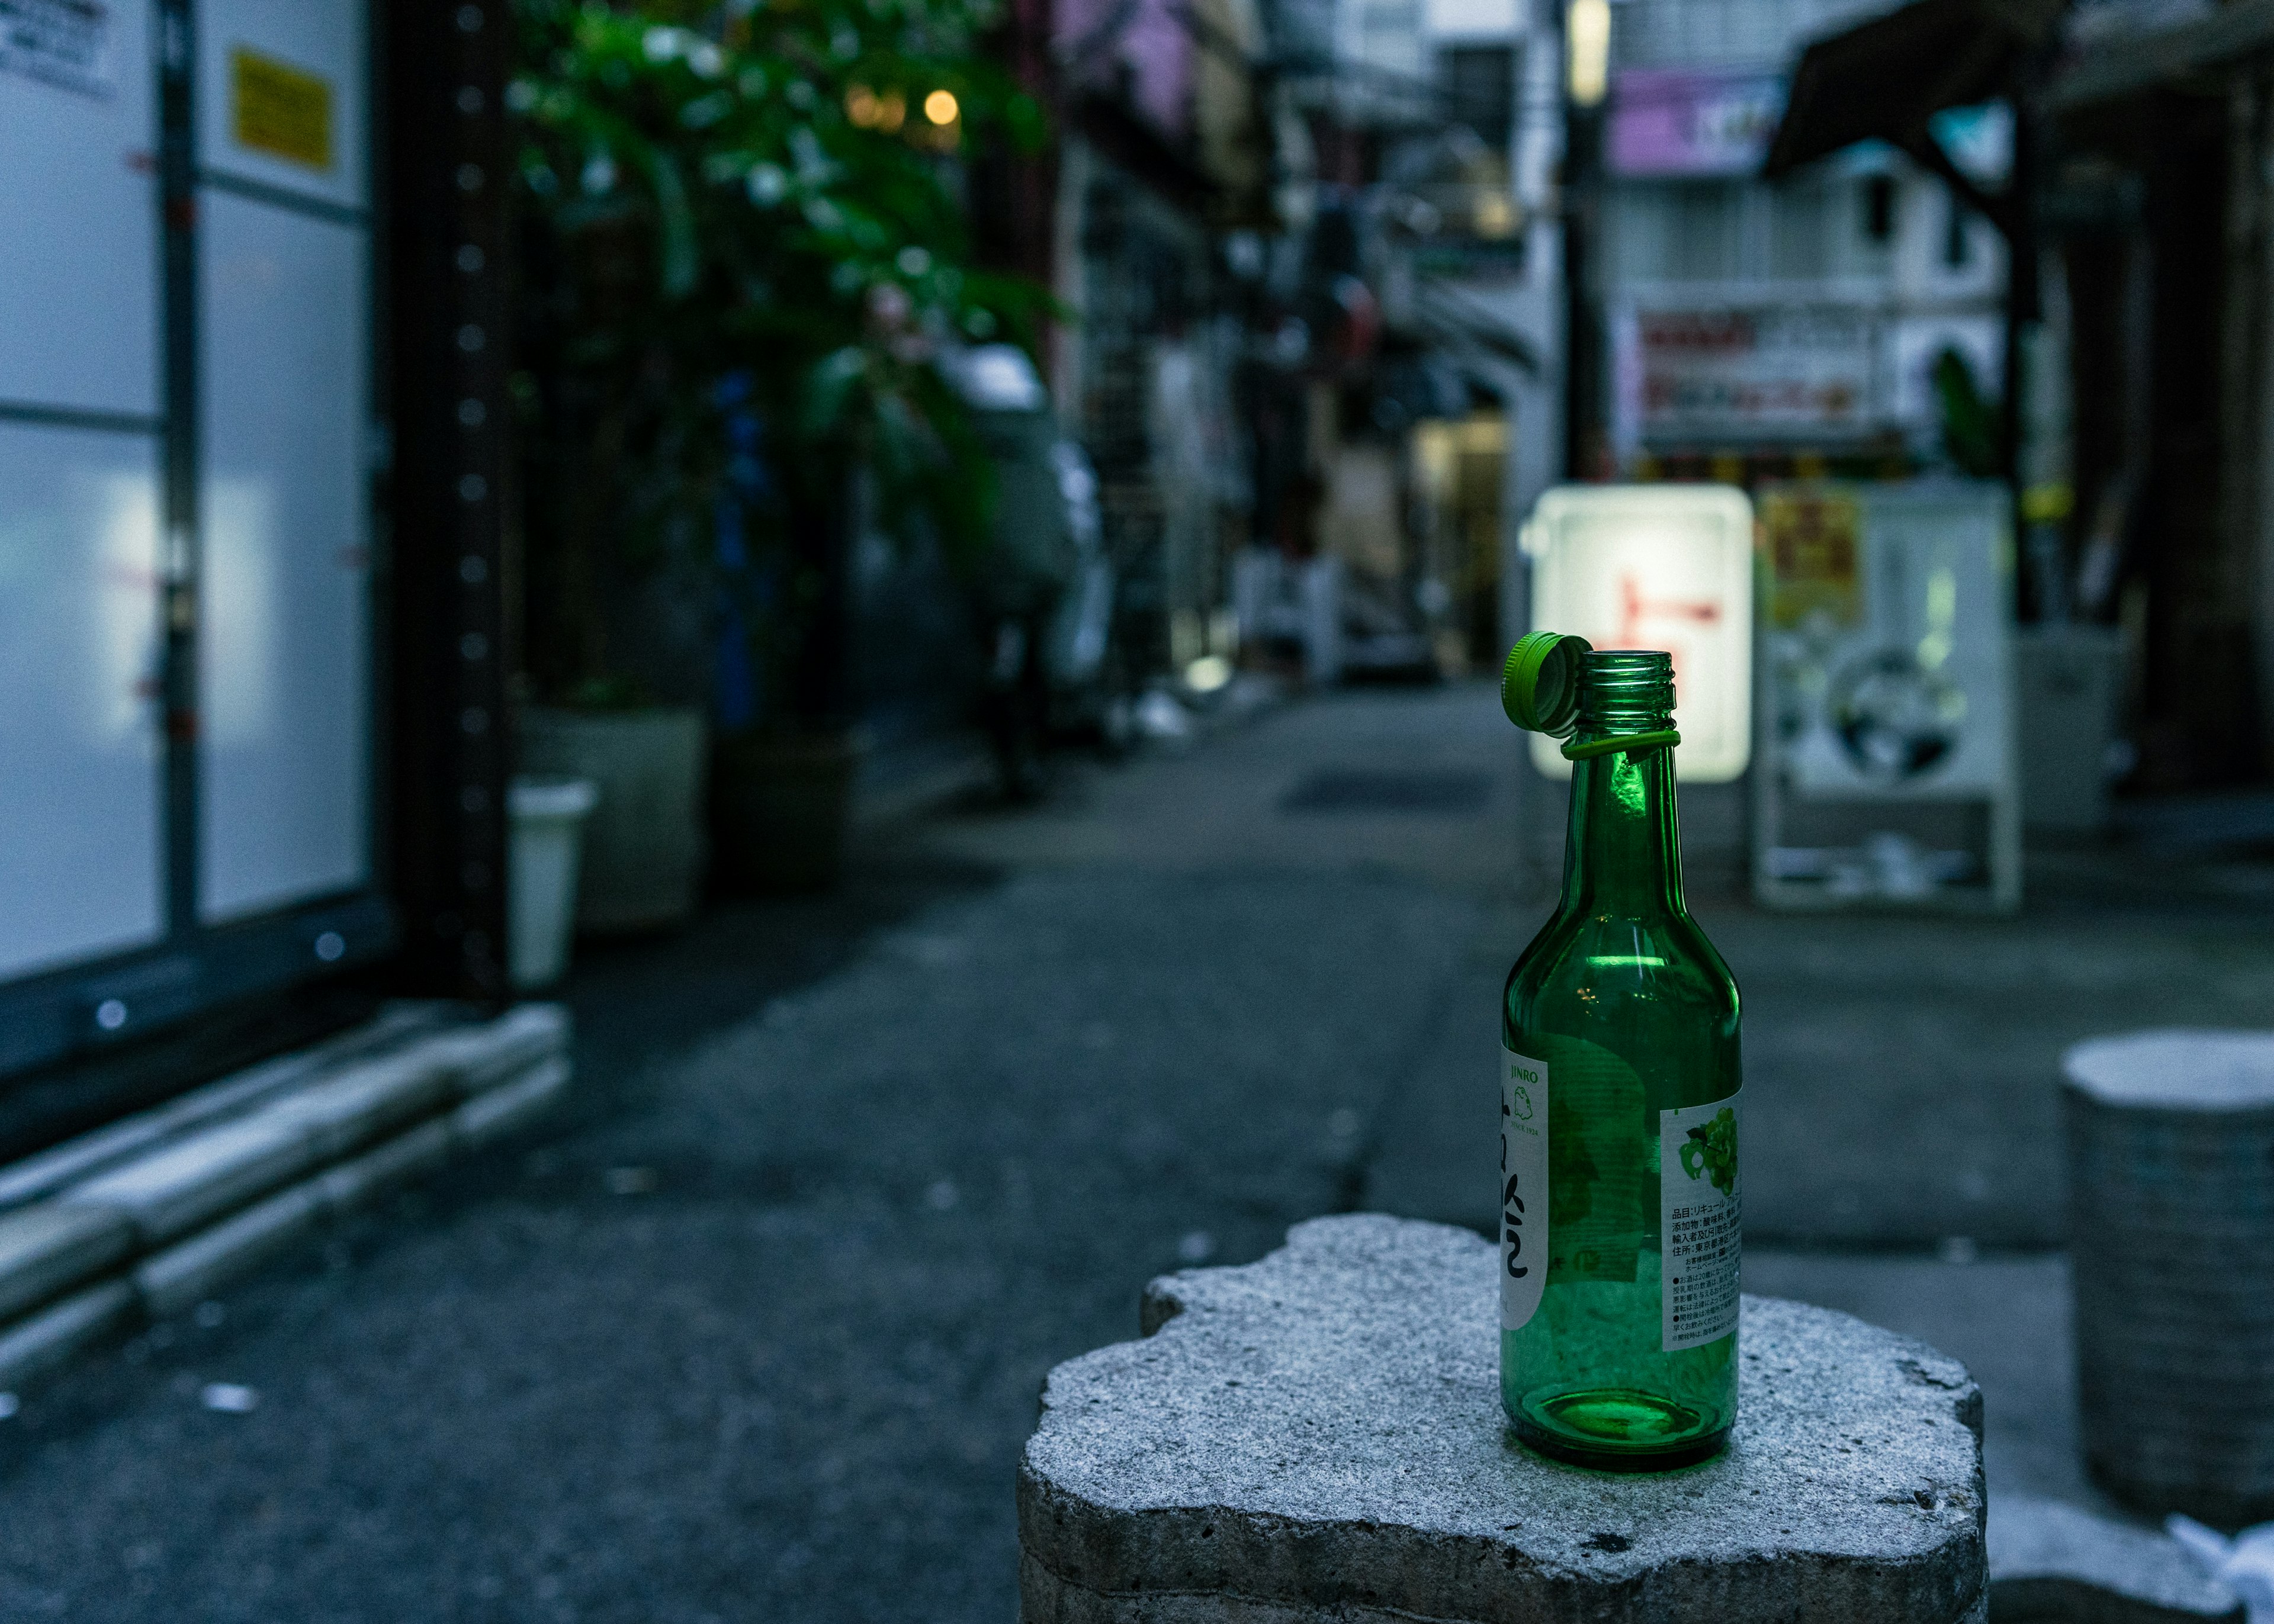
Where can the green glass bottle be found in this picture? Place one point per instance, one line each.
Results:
(1619, 1102)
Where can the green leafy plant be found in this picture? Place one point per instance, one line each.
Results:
(765, 194)
(1973, 435)
(1712, 1150)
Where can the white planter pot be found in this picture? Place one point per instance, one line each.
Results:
(547, 839)
(642, 857)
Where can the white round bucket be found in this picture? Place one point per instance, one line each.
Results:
(547, 817)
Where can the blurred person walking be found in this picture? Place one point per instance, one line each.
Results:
(1040, 594)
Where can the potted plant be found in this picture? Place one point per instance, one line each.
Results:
(746, 254)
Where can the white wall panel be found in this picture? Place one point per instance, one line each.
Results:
(79, 845)
(323, 41)
(284, 647)
(78, 222)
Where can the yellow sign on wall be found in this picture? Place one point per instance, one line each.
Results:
(1813, 538)
(280, 110)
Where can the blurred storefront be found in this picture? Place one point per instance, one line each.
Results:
(2160, 194)
(1166, 149)
(1309, 243)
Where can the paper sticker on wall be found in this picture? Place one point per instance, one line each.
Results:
(1814, 538)
(280, 110)
(66, 43)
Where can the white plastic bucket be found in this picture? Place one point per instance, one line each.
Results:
(547, 817)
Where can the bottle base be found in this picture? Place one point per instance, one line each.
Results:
(1618, 1429)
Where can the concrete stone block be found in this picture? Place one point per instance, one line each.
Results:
(342, 1114)
(49, 1249)
(2171, 1144)
(2062, 1564)
(177, 1187)
(190, 1271)
(487, 1056)
(47, 1339)
(77, 1160)
(1319, 1435)
(502, 1110)
(397, 1162)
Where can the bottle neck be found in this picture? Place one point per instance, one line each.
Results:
(1623, 853)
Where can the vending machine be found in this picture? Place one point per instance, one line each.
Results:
(1887, 773)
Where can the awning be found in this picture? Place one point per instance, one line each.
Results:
(1885, 79)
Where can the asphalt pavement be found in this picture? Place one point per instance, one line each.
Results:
(755, 1329)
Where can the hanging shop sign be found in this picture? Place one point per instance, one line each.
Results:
(1656, 567)
(1727, 373)
(1675, 122)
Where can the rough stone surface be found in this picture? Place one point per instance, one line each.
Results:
(46, 1249)
(177, 1278)
(34, 1346)
(342, 1113)
(76, 1161)
(172, 1191)
(1319, 1435)
(402, 1158)
(481, 1057)
(505, 1110)
(2059, 1562)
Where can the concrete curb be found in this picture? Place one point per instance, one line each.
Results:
(44, 1250)
(2051, 1561)
(183, 1275)
(36, 1345)
(75, 1160)
(150, 1216)
(494, 1115)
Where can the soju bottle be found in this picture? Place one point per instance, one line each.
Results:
(1619, 1102)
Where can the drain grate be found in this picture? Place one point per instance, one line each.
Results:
(1353, 790)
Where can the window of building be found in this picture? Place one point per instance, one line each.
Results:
(1478, 89)
(1799, 244)
(1879, 199)
(1957, 241)
(1704, 245)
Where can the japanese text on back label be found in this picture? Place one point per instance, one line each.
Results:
(1700, 1220)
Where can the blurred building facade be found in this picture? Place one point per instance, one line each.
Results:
(1753, 328)
(1313, 252)
(1864, 313)
(2159, 193)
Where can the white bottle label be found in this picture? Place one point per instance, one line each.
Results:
(1699, 1223)
(1523, 1186)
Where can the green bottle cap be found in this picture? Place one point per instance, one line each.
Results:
(1539, 685)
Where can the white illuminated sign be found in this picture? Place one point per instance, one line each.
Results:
(1656, 567)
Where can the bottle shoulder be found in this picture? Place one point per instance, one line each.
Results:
(1599, 958)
